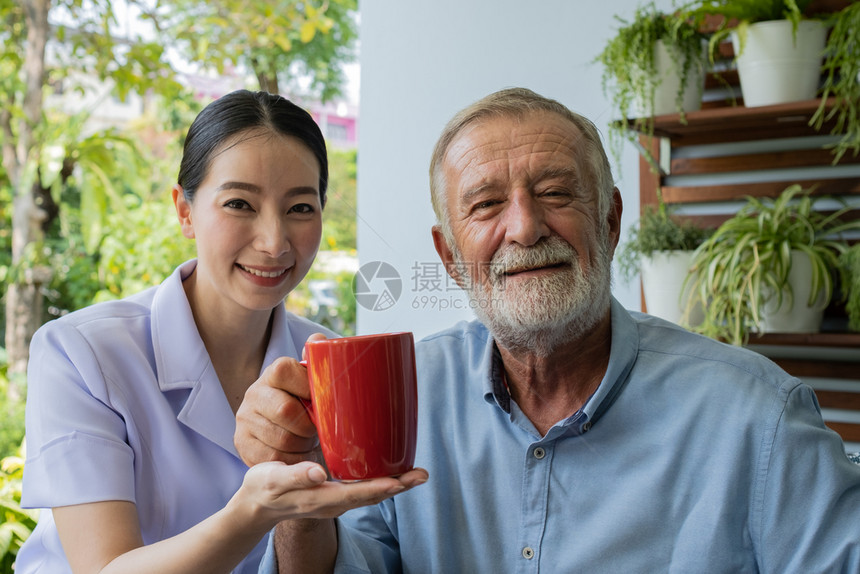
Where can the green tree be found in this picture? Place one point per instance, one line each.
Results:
(281, 41)
(86, 48)
(339, 216)
(47, 171)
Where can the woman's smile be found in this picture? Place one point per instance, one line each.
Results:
(264, 276)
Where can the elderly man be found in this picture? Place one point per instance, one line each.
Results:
(562, 433)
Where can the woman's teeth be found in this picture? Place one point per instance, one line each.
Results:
(259, 273)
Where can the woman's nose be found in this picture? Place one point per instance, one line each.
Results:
(272, 238)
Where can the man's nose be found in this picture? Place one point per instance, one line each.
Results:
(525, 219)
(272, 237)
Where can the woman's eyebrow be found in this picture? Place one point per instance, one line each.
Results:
(238, 185)
(253, 188)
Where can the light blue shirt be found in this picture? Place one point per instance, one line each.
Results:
(123, 403)
(691, 457)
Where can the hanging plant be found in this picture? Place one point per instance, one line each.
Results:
(630, 72)
(842, 81)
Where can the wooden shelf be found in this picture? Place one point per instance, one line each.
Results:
(737, 123)
(850, 340)
(723, 175)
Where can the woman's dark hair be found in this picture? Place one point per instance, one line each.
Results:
(238, 112)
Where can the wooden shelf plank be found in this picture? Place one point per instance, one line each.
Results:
(758, 161)
(838, 399)
(729, 192)
(737, 123)
(850, 432)
(847, 340)
(828, 369)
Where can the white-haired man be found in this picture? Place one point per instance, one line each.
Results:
(562, 433)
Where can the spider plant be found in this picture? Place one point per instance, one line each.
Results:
(745, 264)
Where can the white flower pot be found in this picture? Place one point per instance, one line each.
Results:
(795, 315)
(663, 276)
(775, 67)
(668, 84)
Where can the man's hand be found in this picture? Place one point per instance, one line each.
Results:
(271, 423)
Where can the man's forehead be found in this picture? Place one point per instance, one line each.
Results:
(509, 131)
(537, 136)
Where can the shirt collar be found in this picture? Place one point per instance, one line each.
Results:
(622, 356)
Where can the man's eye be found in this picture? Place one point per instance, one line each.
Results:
(556, 192)
(486, 204)
(237, 204)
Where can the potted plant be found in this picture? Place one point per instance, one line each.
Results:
(741, 274)
(778, 49)
(661, 248)
(850, 265)
(653, 65)
(842, 81)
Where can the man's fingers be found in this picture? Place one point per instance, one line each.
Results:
(288, 375)
(314, 337)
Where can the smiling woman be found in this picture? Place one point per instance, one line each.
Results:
(131, 406)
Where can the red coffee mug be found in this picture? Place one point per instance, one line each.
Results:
(364, 403)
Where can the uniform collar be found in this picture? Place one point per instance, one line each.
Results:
(182, 361)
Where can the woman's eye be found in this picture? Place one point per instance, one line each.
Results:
(237, 204)
(302, 208)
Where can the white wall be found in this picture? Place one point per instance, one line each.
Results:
(423, 61)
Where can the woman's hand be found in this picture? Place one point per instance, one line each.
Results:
(275, 491)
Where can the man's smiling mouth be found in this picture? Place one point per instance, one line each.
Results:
(518, 270)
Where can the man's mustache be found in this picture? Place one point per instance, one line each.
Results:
(547, 252)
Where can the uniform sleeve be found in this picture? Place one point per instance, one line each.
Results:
(76, 442)
(810, 494)
(365, 541)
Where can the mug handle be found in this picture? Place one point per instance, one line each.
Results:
(306, 403)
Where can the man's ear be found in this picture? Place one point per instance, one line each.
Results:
(614, 219)
(445, 253)
(183, 211)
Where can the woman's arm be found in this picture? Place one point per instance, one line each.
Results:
(105, 537)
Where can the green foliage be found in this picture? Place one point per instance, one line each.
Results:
(850, 263)
(280, 41)
(746, 262)
(340, 214)
(5, 249)
(11, 413)
(842, 70)
(657, 231)
(629, 67)
(745, 12)
(341, 317)
(143, 247)
(16, 524)
(754, 10)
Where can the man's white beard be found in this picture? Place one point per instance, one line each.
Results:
(539, 314)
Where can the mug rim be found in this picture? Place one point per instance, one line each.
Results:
(358, 338)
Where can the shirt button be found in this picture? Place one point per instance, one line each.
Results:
(528, 553)
(539, 453)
